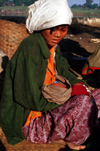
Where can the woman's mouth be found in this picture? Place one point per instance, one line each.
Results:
(55, 40)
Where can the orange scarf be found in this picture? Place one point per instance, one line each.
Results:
(49, 78)
(50, 71)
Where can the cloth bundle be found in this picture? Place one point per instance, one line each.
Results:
(92, 63)
(56, 94)
(44, 14)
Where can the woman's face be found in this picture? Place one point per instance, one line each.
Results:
(54, 35)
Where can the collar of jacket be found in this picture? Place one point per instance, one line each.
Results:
(43, 44)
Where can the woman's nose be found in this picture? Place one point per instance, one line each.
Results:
(57, 34)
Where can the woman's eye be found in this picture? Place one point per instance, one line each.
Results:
(64, 30)
(54, 29)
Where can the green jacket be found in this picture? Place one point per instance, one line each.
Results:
(24, 77)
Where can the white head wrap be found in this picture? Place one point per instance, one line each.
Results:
(44, 14)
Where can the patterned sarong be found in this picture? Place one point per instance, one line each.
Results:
(72, 121)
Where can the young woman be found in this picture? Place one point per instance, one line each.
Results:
(25, 112)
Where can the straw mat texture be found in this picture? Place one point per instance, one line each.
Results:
(11, 34)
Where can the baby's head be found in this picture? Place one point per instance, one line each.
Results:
(48, 14)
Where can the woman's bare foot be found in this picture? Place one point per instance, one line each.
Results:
(76, 147)
(60, 142)
(71, 145)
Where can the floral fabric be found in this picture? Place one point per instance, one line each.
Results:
(72, 121)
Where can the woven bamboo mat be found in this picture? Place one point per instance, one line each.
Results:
(11, 34)
(27, 145)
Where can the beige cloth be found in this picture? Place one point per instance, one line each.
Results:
(44, 14)
(56, 94)
(92, 63)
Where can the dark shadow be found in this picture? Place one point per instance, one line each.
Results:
(70, 46)
(77, 56)
(4, 62)
(61, 149)
(2, 74)
(2, 147)
(93, 142)
(16, 19)
(74, 53)
(80, 28)
(93, 79)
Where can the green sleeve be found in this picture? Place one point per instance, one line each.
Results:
(12, 115)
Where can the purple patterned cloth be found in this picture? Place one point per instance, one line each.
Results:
(72, 121)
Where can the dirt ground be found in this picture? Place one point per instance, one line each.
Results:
(81, 41)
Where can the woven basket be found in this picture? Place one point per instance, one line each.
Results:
(11, 34)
